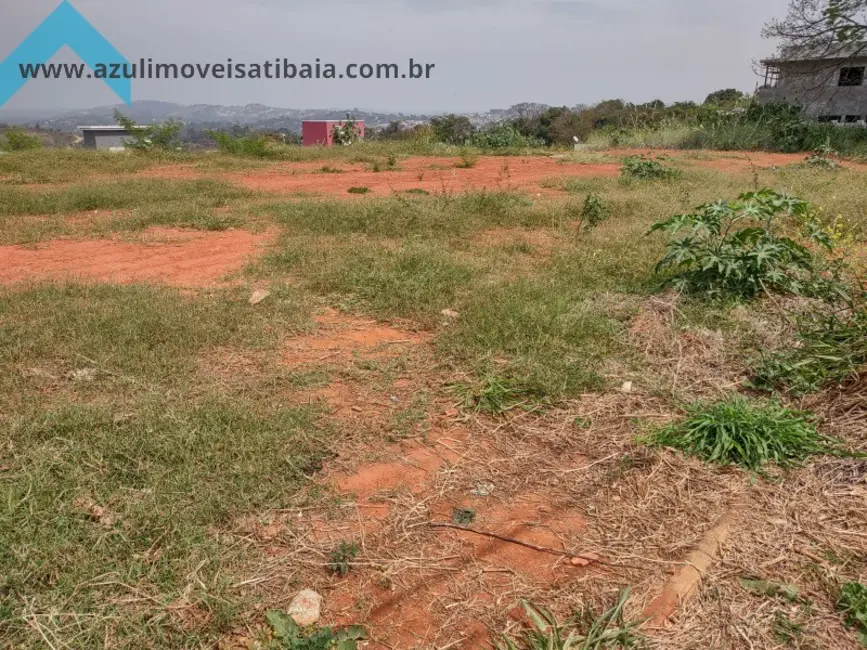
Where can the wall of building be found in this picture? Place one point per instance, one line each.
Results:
(104, 139)
(815, 86)
(321, 133)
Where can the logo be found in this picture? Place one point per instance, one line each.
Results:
(65, 26)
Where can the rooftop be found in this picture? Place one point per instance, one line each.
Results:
(821, 52)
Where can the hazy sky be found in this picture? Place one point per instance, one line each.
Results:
(488, 53)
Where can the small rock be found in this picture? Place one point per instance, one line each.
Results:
(83, 374)
(452, 413)
(483, 489)
(450, 313)
(627, 387)
(259, 296)
(306, 608)
(394, 398)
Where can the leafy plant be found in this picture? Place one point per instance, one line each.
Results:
(593, 212)
(645, 168)
(831, 348)
(341, 557)
(20, 140)
(289, 636)
(358, 190)
(346, 132)
(468, 160)
(588, 632)
(463, 516)
(738, 248)
(163, 136)
(853, 605)
(745, 433)
(825, 157)
(328, 169)
(251, 146)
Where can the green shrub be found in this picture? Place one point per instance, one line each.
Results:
(831, 348)
(358, 190)
(347, 132)
(823, 158)
(644, 168)
(503, 136)
(163, 136)
(594, 212)
(468, 160)
(747, 434)
(853, 605)
(738, 248)
(341, 557)
(251, 146)
(19, 140)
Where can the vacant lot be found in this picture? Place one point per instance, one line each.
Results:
(429, 341)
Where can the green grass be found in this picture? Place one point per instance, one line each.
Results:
(122, 463)
(114, 195)
(747, 434)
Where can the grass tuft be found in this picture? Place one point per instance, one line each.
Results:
(748, 434)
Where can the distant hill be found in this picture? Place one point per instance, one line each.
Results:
(203, 115)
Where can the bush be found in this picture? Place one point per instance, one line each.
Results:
(831, 349)
(747, 434)
(346, 132)
(452, 129)
(503, 136)
(594, 212)
(823, 158)
(19, 140)
(163, 136)
(645, 168)
(358, 190)
(737, 248)
(251, 146)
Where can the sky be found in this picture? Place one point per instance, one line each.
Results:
(487, 53)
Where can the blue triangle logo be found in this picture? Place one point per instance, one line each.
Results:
(65, 26)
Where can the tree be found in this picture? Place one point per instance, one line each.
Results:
(163, 135)
(452, 129)
(725, 97)
(20, 140)
(822, 26)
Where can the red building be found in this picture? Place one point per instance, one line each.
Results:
(321, 132)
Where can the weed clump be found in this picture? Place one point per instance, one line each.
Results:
(831, 349)
(739, 247)
(468, 160)
(358, 190)
(341, 557)
(824, 158)
(250, 146)
(587, 631)
(289, 636)
(746, 434)
(644, 168)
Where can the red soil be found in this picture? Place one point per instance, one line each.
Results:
(429, 174)
(168, 256)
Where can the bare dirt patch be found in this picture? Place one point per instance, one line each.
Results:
(166, 256)
(429, 174)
